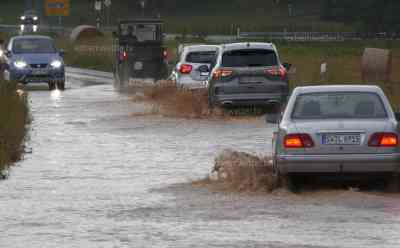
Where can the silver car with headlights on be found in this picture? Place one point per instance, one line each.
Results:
(348, 129)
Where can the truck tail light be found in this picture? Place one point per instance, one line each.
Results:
(298, 140)
(165, 54)
(384, 140)
(123, 56)
(276, 71)
(221, 73)
(185, 68)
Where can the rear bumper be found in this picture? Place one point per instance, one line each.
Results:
(249, 99)
(191, 84)
(341, 163)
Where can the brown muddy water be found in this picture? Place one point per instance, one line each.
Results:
(103, 173)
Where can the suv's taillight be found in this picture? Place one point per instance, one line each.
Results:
(185, 69)
(298, 140)
(276, 71)
(383, 140)
(221, 73)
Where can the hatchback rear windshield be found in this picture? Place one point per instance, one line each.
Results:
(249, 58)
(339, 105)
(206, 57)
(33, 46)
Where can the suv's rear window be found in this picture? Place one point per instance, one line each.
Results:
(249, 58)
(206, 57)
(339, 105)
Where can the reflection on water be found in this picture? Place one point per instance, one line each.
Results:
(55, 94)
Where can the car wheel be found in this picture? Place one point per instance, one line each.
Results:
(276, 176)
(52, 86)
(392, 183)
(291, 183)
(61, 85)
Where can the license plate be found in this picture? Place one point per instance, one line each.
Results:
(40, 72)
(138, 66)
(250, 80)
(341, 139)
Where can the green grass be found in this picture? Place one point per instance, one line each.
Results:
(200, 16)
(13, 119)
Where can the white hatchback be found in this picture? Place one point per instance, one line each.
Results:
(194, 66)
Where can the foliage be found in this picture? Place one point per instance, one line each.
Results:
(13, 118)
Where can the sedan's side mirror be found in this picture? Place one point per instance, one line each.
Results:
(287, 66)
(397, 116)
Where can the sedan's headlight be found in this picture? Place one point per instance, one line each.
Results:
(22, 17)
(1, 53)
(56, 64)
(35, 18)
(20, 64)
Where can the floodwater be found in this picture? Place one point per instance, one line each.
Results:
(102, 175)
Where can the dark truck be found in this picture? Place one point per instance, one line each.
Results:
(140, 55)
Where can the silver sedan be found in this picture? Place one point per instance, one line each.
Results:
(337, 130)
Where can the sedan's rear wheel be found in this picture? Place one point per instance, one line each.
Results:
(392, 182)
(291, 182)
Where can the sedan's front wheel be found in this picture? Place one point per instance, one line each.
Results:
(52, 86)
(61, 85)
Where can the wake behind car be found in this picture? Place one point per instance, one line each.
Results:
(337, 130)
(34, 59)
(248, 74)
(194, 66)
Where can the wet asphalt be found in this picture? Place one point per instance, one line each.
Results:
(101, 172)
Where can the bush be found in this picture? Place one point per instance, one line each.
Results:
(13, 118)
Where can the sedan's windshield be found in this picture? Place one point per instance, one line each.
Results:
(249, 58)
(33, 45)
(338, 105)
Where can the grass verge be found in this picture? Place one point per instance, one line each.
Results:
(13, 119)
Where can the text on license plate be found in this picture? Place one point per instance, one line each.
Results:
(39, 72)
(341, 139)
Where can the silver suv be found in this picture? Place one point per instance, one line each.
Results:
(194, 66)
(248, 74)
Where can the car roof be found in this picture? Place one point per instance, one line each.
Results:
(31, 37)
(248, 45)
(336, 88)
(191, 48)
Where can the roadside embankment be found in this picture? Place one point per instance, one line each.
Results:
(13, 119)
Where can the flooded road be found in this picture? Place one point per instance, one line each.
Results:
(102, 175)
